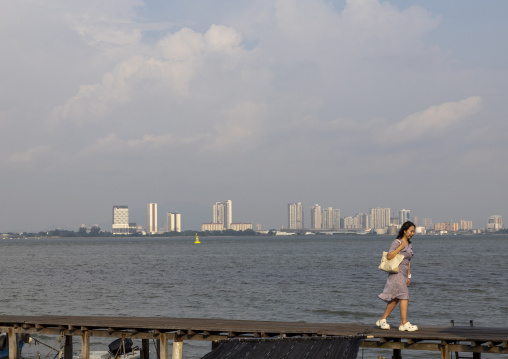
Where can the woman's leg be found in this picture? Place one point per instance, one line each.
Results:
(403, 311)
(389, 308)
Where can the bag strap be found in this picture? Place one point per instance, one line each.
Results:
(404, 245)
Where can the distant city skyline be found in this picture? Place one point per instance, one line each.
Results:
(325, 218)
(373, 218)
(348, 104)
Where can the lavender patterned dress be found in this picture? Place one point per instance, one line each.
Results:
(396, 284)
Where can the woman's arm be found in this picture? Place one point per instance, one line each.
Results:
(409, 273)
(392, 254)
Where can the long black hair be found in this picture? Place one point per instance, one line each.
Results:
(404, 228)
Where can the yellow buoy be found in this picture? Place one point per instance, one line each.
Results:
(197, 239)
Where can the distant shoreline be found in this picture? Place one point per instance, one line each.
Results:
(261, 235)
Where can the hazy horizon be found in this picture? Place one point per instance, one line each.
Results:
(351, 104)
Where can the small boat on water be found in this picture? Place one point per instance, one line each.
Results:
(4, 343)
(118, 349)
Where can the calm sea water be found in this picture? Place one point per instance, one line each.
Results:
(311, 278)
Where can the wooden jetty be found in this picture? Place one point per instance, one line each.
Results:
(444, 339)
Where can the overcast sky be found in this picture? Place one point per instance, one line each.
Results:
(352, 104)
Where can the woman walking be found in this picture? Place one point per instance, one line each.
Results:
(396, 285)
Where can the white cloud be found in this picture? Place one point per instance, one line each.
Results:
(183, 45)
(165, 140)
(221, 38)
(431, 123)
(240, 129)
(182, 57)
(29, 156)
(112, 146)
(107, 33)
(106, 23)
(120, 86)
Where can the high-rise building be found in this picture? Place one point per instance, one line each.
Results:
(151, 218)
(446, 226)
(315, 217)
(295, 215)
(174, 220)
(362, 220)
(350, 222)
(324, 218)
(495, 223)
(223, 213)
(218, 213)
(120, 220)
(336, 218)
(359, 221)
(466, 225)
(368, 222)
(327, 218)
(404, 216)
(428, 223)
(380, 217)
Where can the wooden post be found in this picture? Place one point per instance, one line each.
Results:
(68, 347)
(445, 353)
(145, 349)
(475, 355)
(85, 345)
(397, 353)
(177, 348)
(164, 346)
(13, 344)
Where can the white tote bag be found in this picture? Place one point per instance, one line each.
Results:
(392, 265)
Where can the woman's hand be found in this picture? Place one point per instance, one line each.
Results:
(397, 250)
(408, 281)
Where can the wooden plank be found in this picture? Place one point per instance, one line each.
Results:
(222, 326)
(402, 345)
(478, 334)
(478, 349)
(92, 333)
(213, 329)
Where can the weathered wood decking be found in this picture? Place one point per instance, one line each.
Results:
(432, 338)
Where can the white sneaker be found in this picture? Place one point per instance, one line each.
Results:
(408, 327)
(383, 324)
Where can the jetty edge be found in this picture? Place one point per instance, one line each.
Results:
(444, 339)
